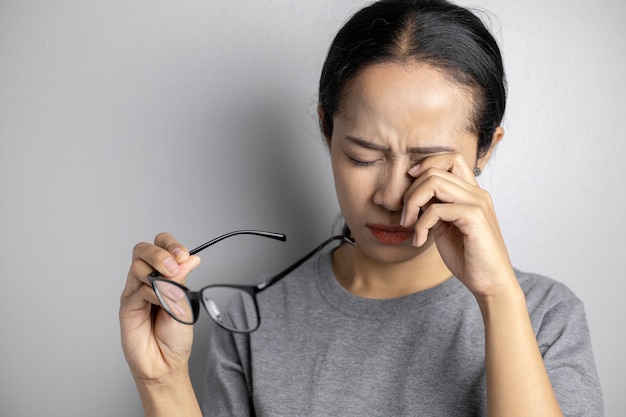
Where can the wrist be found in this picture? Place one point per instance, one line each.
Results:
(508, 296)
(167, 396)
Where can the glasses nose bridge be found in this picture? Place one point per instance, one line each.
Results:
(232, 307)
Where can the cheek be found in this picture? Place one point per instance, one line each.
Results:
(353, 186)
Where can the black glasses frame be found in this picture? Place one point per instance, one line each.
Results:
(194, 297)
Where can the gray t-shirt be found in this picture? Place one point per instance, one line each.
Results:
(322, 351)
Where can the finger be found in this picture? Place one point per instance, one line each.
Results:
(139, 314)
(436, 186)
(453, 162)
(156, 258)
(143, 304)
(467, 218)
(164, 255)
(136, 306)
(174, 299)
(432, 217)
(172, 245)
(140, 268)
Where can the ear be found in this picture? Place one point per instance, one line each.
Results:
(498, 135)
(321, 115)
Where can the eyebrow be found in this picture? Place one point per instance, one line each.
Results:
(418, 149)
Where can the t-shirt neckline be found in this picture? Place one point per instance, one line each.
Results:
(352, 305)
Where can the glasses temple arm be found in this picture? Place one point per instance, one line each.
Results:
(302, 260)
(271, 235)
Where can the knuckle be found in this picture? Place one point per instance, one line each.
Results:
(434, 179)
(486, 199)
(457, 157)
(139, 249)
(436, 209)
(166, 241)
(138, 246)
(161, 238)
(123, 299)
(137, 264)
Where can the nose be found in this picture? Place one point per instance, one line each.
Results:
(392, 186)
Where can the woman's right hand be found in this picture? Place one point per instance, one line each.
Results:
(156, 347)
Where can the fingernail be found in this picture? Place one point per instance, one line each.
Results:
(178, 253)
(175, 292)
(415, 240)
(171, 265)
(402, 218)
(414, 169)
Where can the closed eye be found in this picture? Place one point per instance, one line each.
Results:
(359, 163)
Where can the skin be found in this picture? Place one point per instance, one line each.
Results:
(156, 347)
(403, 138)
(402, 154)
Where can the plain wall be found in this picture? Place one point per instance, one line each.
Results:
(120, 119)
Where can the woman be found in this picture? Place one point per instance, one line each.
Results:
(425, 314)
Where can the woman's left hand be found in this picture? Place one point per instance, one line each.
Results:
(446, 201)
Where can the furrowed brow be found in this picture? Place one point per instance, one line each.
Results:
(422, 150)
(428, 150)
(366, 144)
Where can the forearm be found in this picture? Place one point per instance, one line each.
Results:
(517, 380)
(174, 397)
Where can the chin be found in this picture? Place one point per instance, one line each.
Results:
(391, 254)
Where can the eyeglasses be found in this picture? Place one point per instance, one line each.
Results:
(232, 307)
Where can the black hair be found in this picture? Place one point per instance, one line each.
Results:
(445, 36)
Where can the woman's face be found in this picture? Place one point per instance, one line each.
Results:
(392, 117)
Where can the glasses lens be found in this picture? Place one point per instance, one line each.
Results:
(231, 308)
(175, 301)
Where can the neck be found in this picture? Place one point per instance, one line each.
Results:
(368, 278)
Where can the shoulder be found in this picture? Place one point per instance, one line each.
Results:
(554, 309)
(560, 325)
(295, 287)
(544, 293)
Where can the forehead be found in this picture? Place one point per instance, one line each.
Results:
(407, 100)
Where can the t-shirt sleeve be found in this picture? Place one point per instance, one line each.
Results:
(227, 390)
(565, 343)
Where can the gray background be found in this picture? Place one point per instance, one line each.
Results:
(120, 119)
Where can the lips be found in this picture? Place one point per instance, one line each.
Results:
(390, 234)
